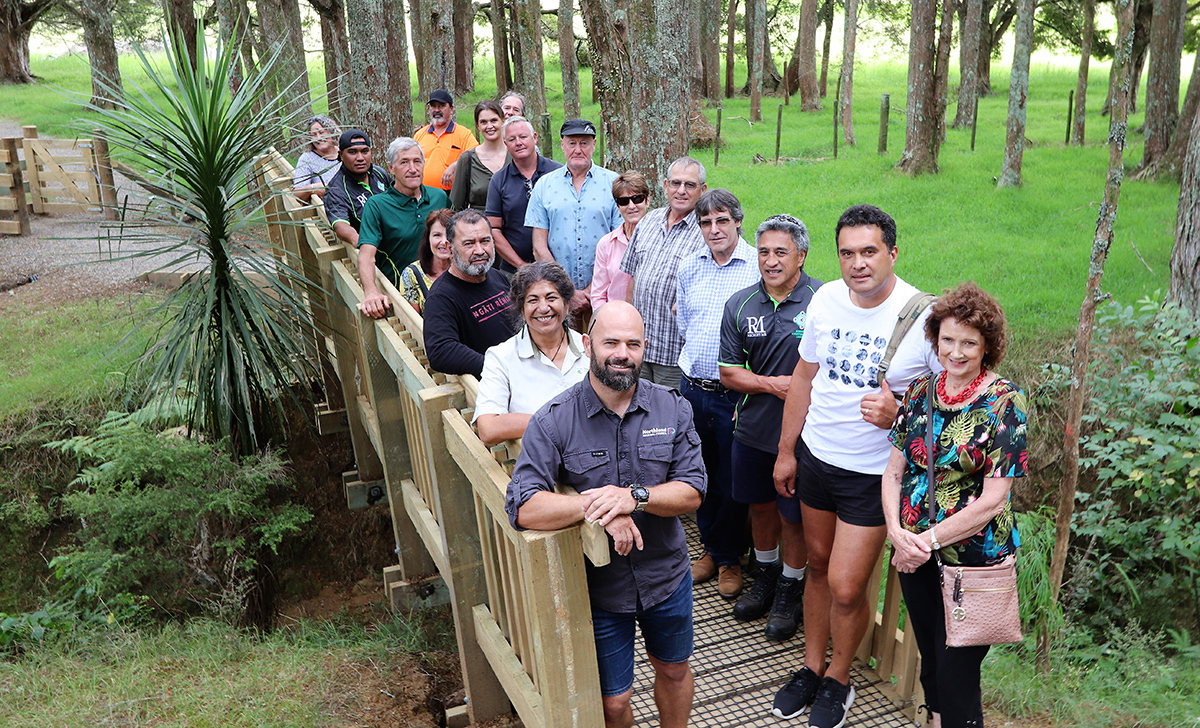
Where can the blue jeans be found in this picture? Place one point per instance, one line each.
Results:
(721, 519)
(666, 628)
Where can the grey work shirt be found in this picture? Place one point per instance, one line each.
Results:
(763, 335)
(575, 441)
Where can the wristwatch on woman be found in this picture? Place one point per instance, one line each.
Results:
(641, 496)
(933, 542)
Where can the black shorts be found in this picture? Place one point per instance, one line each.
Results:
(754, 480)
(856, 498)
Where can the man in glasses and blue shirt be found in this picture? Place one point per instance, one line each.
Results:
(509, 192)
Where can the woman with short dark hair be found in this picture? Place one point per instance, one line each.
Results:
(544, 358)
(978, 423)
(609, 282)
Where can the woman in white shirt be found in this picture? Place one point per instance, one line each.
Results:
(544, 358)
(319, 162)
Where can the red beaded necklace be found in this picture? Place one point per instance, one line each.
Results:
(962, 396)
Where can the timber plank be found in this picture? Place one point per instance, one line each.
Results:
(525, 699)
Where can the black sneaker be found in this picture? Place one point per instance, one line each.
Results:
(795, 697)
(786, 609)
(755, 603)
(832, 703)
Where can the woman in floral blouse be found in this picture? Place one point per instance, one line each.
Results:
(979, 448)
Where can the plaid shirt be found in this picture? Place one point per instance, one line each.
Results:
(702, 287)
(652, 258)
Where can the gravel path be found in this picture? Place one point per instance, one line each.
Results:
(74, 255)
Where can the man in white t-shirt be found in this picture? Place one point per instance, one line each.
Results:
(841, 410)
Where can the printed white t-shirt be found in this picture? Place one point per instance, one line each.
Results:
(848, 343)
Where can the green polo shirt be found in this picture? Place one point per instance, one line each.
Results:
(394, 223)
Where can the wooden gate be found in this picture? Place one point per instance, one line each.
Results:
(63, 176)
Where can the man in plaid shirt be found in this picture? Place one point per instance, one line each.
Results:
(662, 239)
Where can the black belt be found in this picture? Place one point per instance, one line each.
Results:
(708, 385)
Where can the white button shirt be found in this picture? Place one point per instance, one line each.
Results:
(519, 378)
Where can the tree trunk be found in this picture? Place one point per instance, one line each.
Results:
(992, 32)
(95, 16)
(756, 36)
(504, 77)
(464, 47)
(920, 151)
(1081, 84)
(437, 22)
(1170, 165)
(695, 61)
(568, 60)
(810, 92)
(826, 17)
(942, 70)
(849, 36)
(229, 19)
(1142, 22)
(1185, 256)
(181, 16)
(280, 20)
(336, 52)
(528, 31)
(382, 104)
(1101, 243)
(1162, 77)
(730, 30)
(710, 47)
(640, 55)
(971, 14)
(1018, 93)
(420, 43)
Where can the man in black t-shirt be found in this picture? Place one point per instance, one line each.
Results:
(355, 182)
(468, 309)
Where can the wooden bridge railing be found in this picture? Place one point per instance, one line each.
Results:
(520, 600)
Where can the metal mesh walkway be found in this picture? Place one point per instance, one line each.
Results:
(738, 670)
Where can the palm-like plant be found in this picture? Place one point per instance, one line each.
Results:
(233, 337)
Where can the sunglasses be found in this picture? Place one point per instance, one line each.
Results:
(635, 199)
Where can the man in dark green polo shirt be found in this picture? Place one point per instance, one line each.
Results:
(393, 223)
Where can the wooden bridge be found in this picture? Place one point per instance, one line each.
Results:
(519, 599)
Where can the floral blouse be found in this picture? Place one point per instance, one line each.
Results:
(410, 288)
(985, 439)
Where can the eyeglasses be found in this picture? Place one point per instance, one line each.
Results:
(689, 185)
(635, 199)
(719, 222)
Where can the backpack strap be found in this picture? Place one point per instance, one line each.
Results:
(908, 316)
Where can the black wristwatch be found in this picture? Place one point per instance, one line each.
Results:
(641, 496)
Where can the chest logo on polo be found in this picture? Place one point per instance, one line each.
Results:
(658, 431)
(799, 320)
(755, 327)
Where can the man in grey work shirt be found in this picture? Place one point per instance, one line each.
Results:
(662, 239)
(631, 451)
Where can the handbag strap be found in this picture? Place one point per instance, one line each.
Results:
(929, 458)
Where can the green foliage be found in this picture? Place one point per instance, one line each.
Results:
(1038, 608)
(233, 337)
(1141, 524)
(179, 521)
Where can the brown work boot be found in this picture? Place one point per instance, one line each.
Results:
(704, 569)
(729, 584)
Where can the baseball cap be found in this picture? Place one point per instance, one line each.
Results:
(577, 127)
(353, 138)
(441, 95)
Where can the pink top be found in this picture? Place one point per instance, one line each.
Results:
(609, 282)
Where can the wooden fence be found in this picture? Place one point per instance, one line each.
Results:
(57, 177)
(519, 599)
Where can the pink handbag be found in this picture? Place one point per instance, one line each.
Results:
(981, 602)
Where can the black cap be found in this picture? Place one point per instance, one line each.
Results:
(441, 95)
(353, 138)
(577, 127)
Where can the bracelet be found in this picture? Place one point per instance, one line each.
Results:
(933, 540)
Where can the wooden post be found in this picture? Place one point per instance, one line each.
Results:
(108, 186)
(837, 116)
(717, 143)
(17, 186)
(600, 143)
(974, 121)
(885, 104)
(31, 169)
(787, 97)
(547, 140)
(778, 131)
(455, 504)
(1070, 114)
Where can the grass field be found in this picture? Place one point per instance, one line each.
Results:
(1029, 246)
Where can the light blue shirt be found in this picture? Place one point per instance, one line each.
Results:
(575, 222)
(701, 289)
